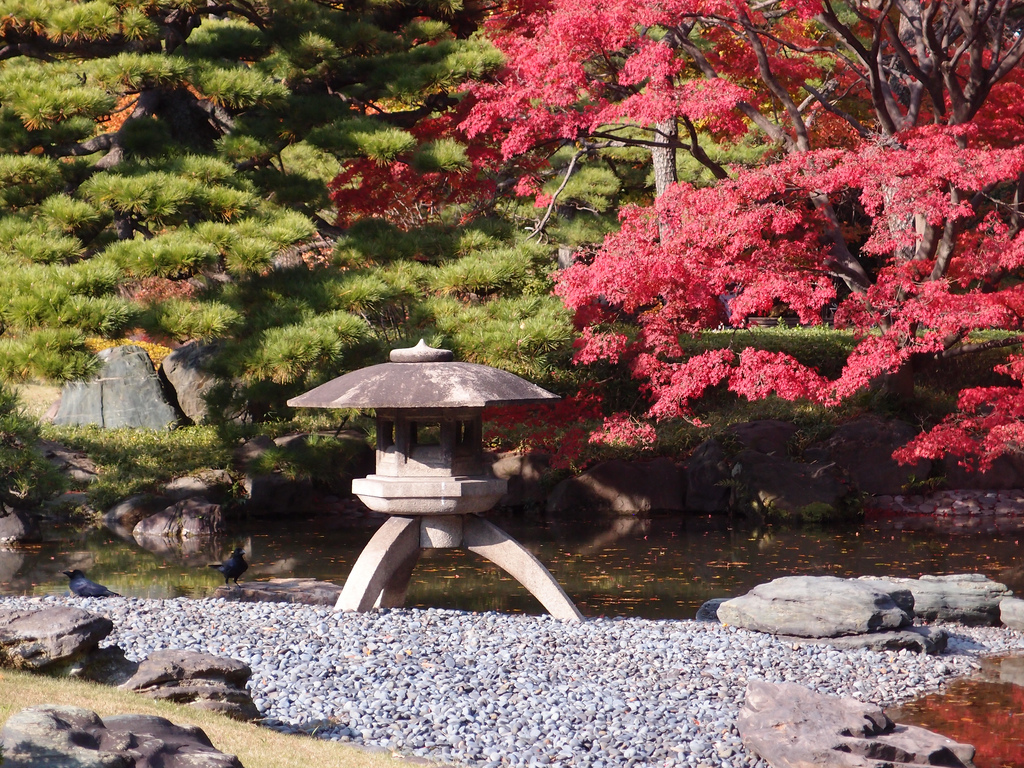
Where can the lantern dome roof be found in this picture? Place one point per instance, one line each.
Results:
(422, 377)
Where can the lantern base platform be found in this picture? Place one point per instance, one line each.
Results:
(426, 495)
(380, 577)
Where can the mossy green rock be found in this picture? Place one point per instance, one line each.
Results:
(126, 393)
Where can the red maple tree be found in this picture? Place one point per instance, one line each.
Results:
(891, 180)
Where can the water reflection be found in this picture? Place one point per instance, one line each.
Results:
(986, 710)
(659, 567)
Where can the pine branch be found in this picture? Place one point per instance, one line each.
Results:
(145, 107)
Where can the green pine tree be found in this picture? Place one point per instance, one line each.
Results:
(164, 169)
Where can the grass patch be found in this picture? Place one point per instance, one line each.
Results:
(35, 397)
(134, 461)
(256, 747)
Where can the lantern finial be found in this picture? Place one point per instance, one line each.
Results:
(421, 353)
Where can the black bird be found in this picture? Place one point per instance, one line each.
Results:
(84, 587)
(234, 566)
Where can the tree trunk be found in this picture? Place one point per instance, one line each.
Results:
(664, 160)
(899, 383)
(664, 157)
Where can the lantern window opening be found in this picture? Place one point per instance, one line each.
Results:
(385, 434)
(467, 438)
(424, 433)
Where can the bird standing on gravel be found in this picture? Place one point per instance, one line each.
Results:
(234, 566)
(84, 587)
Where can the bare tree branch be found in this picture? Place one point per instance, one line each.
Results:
(551, 205)
(821, 99)
(698, 153)
(980, 346)
(772, 130)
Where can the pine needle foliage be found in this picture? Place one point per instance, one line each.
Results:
(521, 269)
(181, 319)
(530, 337)
(26, 179)
(52, 354)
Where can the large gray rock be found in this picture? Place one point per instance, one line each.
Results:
(273, 493)
(524, 474)
(928, 640)
(245, 454)
(107, 666)
(209, 483)
(50, 637)
(51, 736)
(350, 453)
(187, 519)
(187, 370)
(818, 606)
(75, 464)
(708, 610)
(126, 393)
(964, 598)
(863, 448)
(776, 487)
(17, 527)
(276, 494)
(769, 436)
(201, 680)
(1005, 473)
(307, 591)
(790, 726)
(1011, 613)
(126, 514)
(623, 487)
(707, 479)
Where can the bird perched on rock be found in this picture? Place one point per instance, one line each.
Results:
(84, 587)
(234, 566)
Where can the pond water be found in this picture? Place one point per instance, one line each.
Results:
(661, 567)
(986, 710)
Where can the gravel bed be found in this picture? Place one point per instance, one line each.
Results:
(490, 689)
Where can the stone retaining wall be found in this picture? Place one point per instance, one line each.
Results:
(953, 503)
(952, 510)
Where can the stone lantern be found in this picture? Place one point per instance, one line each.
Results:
(430, 476)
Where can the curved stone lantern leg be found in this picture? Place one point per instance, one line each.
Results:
(393, 595)
(386, 553)
(380, 577)
(486, 539)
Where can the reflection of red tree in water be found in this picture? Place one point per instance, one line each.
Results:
(988, 715)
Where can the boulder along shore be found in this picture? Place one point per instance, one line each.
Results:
(490, 689)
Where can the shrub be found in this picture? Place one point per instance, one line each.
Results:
(26, 477)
